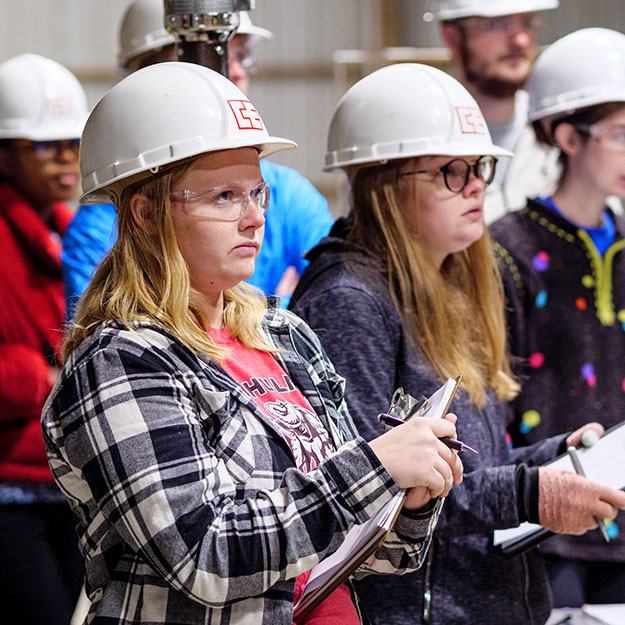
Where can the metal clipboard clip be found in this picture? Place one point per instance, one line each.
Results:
(405, 406)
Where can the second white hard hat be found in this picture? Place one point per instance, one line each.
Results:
(40, 100)
(583, 68)
(406, 110)
(456, 9)
(162, 114)
(143, 29)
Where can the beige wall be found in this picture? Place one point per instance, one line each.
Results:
(296, 88)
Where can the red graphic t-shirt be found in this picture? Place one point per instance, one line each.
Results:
(269, 385)
(271, 388)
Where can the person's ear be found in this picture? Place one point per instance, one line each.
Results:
(142, 209)
(567, 139)
(452, 38)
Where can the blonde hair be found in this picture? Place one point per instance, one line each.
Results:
(145, 278)
(453, 315)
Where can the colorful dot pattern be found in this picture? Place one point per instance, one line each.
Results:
(541, 261)
(529, 420)
(588, 373)
(611, 528)
(536, 360)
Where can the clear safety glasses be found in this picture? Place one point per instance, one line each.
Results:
(225, 203)
(456, 173)
(613, 140)
(527, 22)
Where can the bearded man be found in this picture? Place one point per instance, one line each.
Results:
(493, 47)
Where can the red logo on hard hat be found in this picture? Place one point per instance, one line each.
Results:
(246, 115)
(60, 106)
(471, 120)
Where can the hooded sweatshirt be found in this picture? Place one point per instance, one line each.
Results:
(345, 299)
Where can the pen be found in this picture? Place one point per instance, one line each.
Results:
(577, 465)
(452, 443)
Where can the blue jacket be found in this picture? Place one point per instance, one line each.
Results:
(298, 218)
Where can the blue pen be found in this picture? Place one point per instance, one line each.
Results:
(452, 443)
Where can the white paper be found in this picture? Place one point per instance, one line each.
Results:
(440, 399)
(355, 541)
(604, 462)
(608, 614)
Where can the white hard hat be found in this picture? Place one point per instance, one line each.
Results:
(143, 29)
(40, 100)
(583, 68)
(406, 110)
(162, 114)
(456, 9)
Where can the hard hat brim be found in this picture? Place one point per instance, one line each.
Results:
(383, 154)
(118, 172)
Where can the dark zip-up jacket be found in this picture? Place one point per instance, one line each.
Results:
(566, 314)
(344, 298)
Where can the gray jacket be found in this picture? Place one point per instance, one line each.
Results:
(345, 300)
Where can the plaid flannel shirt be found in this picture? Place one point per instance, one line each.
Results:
(190, 507)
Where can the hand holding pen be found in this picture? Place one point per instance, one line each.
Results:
(452, 443)
(417, 460)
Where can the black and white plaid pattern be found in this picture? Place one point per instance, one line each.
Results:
(191, 509)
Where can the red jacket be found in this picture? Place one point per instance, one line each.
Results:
(32, 314)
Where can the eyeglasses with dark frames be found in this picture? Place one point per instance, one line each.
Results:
(456, 172)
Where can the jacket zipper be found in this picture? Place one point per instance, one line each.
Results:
(427, 584)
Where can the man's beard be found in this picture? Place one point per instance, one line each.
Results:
(493, 86)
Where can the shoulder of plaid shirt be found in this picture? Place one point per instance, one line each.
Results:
(189, 503)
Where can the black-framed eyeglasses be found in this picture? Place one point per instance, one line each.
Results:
(49, 150)
(456, 172)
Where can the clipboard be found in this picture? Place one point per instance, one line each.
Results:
(362, 541)
(604, 462)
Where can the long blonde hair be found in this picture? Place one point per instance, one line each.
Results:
(453, 315)
(145, 278)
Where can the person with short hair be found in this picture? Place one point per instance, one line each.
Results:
(299, 217)
(43, 109)
(493, 46)
(563, 267)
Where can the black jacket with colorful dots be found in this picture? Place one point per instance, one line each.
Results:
(566, 315)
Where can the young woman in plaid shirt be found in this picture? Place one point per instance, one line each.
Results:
(200, 434)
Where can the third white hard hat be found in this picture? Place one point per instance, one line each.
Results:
(40, 100)
(143, 29)
(255, 33)
(406, 110)
(583, 68)
(163, 114)
(456, 9)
